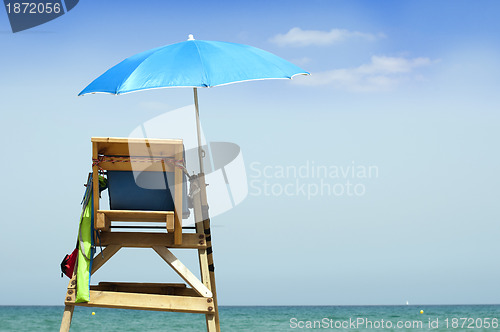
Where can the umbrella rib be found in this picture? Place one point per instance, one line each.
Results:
(275, 65)
(262, 79)
(202, 64)
(130, 74)
(146, 59)
(153, 51)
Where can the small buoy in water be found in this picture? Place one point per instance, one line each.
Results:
(421, 311)
(93, 313)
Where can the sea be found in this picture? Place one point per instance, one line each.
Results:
(261, 318)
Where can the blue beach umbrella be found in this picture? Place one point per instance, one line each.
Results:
(192, 63)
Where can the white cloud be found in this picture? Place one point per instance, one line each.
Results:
(301, 61)
(382, 73)
(298, 37)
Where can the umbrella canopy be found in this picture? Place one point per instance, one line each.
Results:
(192, 63)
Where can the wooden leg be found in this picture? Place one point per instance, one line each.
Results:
(211, 325)
(205, 255)
(69, 308)
(212, 273)
(67, 316)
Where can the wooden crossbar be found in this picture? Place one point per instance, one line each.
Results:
(147, 240)
(183, 271)
(137, 301)
(104, 256)
(137, 216)
(105, 217)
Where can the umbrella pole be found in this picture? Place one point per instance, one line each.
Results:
(203, 225)
(198, 131)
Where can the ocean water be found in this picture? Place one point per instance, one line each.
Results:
(261, 319)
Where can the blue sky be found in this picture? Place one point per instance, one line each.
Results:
(410, 87)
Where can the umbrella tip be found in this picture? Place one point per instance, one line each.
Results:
(190, 37)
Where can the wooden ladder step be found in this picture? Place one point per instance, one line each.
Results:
(105, 217)
(132, 215)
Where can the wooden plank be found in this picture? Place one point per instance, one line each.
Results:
(137, 216)
(141, 149)
(170, 223)
(141, 284)
(188, 291)
(137, 301)
(170, 219)
(136, 147)
(148, 240)
(67, 317)
(104, 256)
(160, 141)
(178, 197)
(146, 288)
(102, 222)
(137, 166)
(183, 271)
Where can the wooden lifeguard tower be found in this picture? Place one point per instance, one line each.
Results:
(198, 296)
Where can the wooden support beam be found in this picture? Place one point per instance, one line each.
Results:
(210, 319)
(72, 281)
(148, 240)
(104, 256)
(114, 146)
(67, 316)
(206, 258)
(149, 302)
(142, 166)
(178, 196)
(183, 271)
(170, 223)
(136, 216)
(202, 253)
(211, 322)
(70, 296)
(102, 222)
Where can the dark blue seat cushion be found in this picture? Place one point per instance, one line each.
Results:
(146, 192)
